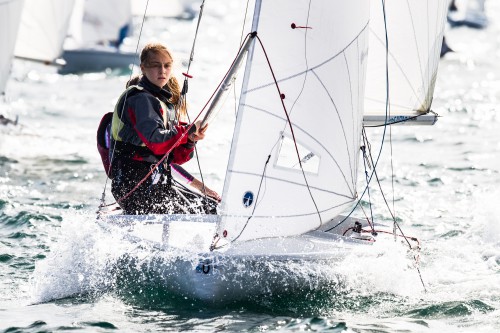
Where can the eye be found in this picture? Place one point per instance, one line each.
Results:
(159, 65)
(154, 65)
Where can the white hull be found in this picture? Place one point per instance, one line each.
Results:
(242, 270)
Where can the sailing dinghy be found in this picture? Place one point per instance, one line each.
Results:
(293, 163)
(91, 24)
(97, 32)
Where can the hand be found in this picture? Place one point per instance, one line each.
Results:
(212, 194)
(205, 190)
(199, 132)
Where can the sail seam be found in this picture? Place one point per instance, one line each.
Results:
(311, 137)
(291, 182)
(310, 69)
(273, 217)
(341, 126)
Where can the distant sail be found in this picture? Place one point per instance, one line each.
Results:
(318, 52)
(10, 17)
(174, 8)
(106, 22)
(44, 26)
(97, 31)
(415, 34)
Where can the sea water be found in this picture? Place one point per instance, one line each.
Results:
(442, 181)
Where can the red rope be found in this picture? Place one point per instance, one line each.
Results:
(282, 97)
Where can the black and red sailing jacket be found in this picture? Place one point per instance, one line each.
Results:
(145, 126)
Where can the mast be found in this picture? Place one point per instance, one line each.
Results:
(244, 87)
(227, 82)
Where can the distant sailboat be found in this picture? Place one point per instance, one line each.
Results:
(97, 31)
(45, 25)
(10, 17)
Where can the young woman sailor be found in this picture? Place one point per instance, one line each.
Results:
(145, 126)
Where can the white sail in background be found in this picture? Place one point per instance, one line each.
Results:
(103, 20)
(74, 36)
(44, 26)
(173, 8)
(320, 69)
(96, 33)
(10, 16)
(415, 33)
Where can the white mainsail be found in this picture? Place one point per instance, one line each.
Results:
(10, 16)
(44, 26)
(320, 69)
(414, 33)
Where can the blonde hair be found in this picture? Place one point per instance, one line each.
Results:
(172, 84)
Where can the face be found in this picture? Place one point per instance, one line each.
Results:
(157, 68)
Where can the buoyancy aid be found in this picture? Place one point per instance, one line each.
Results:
(127, 149)
(108, 134)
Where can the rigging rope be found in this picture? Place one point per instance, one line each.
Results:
(363, 148)
(289, 122)
(180, 138)
(103, 196)
(385, 125)
(185, 90)
(282, 97)
(191, 56)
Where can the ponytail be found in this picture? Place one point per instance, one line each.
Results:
(133, 81)
(177, 100)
